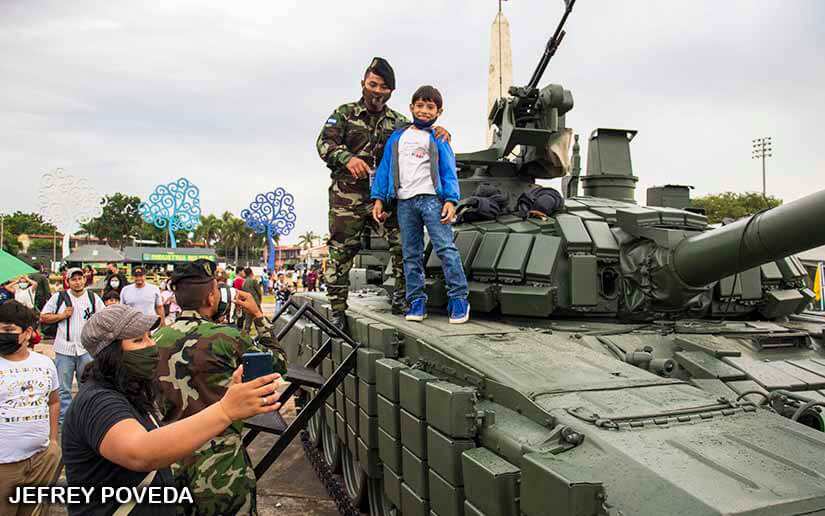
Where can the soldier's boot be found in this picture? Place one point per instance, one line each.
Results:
(398, 303)
(339, 320)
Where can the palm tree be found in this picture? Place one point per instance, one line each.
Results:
(307, 239)
(231, 232)
(208, 230)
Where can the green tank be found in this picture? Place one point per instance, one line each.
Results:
(621, 359)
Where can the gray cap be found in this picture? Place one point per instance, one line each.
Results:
(73, 270)
(113, 323)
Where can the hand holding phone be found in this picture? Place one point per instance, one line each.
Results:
(256, 365)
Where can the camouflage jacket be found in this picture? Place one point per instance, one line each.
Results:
(197, 359)
(351, 130)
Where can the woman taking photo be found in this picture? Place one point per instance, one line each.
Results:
(110, 437)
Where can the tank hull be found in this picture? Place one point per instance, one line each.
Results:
(507, 415)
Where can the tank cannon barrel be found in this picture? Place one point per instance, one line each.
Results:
(770, 235)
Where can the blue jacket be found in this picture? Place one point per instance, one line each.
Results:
(442, 170)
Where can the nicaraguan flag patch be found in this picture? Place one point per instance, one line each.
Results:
(331, 121)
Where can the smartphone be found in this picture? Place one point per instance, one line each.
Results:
(256, 365)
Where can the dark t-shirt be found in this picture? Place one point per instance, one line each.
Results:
(94, 411)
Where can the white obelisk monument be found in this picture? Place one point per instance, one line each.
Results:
(500, 76)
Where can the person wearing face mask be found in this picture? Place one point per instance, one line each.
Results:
(418, 172)
(29, 409)
(352, 143)
(25, 291)
(111, 436)
(197, 357)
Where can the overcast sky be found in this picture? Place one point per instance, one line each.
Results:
(232, 95)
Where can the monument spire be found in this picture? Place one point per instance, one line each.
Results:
(500, 76)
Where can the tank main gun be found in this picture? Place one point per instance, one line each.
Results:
(766, 236)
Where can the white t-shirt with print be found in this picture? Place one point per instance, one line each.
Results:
(82, 312)
(25, 386)
(414, 164)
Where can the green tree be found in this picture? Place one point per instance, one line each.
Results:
(208, 230)
(733, 205)
(231, 234)
(307, 240)
(19, 223)
(120, 219)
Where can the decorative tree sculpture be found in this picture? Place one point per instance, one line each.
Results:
(272, 213)
(175, 206)
(68, 201)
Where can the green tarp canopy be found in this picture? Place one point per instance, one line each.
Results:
(12, 267)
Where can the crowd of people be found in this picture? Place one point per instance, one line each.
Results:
(146, 411)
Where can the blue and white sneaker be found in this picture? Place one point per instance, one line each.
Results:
(417, 310)
(459, 310)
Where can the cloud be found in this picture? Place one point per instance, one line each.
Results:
(232, 95)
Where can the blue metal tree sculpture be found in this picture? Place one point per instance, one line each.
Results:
(175, 206)
(272, 213)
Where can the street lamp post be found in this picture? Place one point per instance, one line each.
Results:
(762, 150)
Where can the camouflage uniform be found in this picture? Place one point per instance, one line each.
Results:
(197, 359)
(351, 130)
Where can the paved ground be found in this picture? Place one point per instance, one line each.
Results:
(289, 488)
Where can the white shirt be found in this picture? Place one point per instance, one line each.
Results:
(82, 312)
(414, 164)
(24, 406)
(143, 299)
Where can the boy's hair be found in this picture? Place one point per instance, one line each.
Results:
(18, 314)
(111, 295)
(428, 93)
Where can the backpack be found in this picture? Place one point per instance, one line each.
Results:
(63, 298)
(540, 199)
(487, 203)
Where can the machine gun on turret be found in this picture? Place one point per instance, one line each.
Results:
(532, 120)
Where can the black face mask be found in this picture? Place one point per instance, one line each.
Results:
(375, 101)
(9, 343)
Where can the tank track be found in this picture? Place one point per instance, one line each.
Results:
(331, 483)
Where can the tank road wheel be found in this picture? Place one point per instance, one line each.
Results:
(315, 424)
(332, 449)
(379, 504)
(355, 479)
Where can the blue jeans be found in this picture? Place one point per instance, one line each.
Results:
(69, 367)
(413, 216)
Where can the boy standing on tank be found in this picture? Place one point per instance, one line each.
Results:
(419, 171)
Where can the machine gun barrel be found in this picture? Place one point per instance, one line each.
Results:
(552, 46)
(767, 236)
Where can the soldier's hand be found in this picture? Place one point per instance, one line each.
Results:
(247, 303)
(447, 212)
(358, 167)
(442, 134)
(67, 312)
(244, 400)
(378, 213)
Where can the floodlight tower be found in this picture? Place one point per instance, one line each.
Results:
(762, 150)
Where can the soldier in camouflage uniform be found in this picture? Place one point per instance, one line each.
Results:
(352, 143)
(197, 359)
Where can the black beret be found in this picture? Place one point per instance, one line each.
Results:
(380, 67)
(199, 271)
